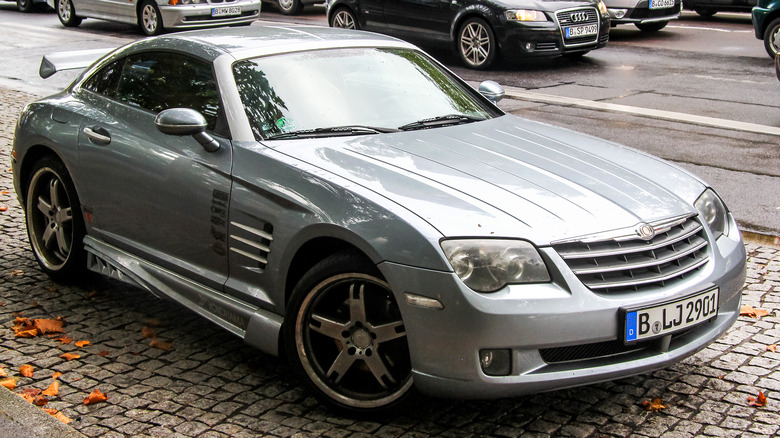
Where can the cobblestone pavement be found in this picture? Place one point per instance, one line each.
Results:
(212, 385)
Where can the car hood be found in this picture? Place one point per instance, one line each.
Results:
(508, 177)
(546, 5)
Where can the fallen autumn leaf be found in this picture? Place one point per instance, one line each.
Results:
(653, 406)
(26, 370)
(95, 397)
(757, 401)
(751, 312)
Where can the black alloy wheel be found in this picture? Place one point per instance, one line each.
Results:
(55, 225)
(345, 336)
(290, 7)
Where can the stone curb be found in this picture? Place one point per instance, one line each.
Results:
(20, 419)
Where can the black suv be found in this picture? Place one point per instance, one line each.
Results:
(481, 30)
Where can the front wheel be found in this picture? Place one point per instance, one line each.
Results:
(344, 18)
(655, 26)
(149, 19)
(67, 14)
(54, 221)
(344, 334)
(290, 7)
(476, 44)
(771, 40)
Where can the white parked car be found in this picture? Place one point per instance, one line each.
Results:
(647, 15)
(154, 16)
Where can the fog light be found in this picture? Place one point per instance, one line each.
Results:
(529, 47)
(495, 362)
(617, 13)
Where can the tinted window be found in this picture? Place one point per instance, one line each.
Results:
(158, 80)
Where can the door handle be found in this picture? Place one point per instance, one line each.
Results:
(97, 135)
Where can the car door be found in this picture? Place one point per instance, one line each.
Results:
(419, 19)
(160, 197)
(117, 10)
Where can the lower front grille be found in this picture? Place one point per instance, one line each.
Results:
(600, 350)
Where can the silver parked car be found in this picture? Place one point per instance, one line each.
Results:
(647, 15)
(154, 16)
(342, 198)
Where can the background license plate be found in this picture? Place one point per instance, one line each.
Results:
(670, 317)
(661, 4)
(222, 12)
(578, 31)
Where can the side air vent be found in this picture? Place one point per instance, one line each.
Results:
(251, 242)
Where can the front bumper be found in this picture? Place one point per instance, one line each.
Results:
(542, 324)
(759, 17)
(641, 13)
(544, 39)
(200, 15)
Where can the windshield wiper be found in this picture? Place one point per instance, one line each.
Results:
(336, 131)
(449, 119)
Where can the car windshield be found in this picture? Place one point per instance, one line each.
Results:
(351, 92)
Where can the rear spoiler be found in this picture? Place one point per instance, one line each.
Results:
(80, 59)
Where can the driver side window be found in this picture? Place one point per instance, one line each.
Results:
(156, 81)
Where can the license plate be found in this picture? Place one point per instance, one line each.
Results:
(224, 12)
(663, 319)
(661, 4)
(578, 31)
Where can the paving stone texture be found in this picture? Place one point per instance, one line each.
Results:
(212, 385)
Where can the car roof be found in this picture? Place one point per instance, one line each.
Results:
(252, 41)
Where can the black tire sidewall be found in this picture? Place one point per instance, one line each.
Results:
(295, 9)
(76, 262)
(773, 27)
(24, 5)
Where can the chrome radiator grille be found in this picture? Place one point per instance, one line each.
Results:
(578, 17)
(631, 264)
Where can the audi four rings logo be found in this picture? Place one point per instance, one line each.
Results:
(578, 16)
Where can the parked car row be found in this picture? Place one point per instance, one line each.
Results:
(481, 31)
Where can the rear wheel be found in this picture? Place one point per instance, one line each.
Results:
(54, 222)
(344, 18)
(770, 40)
(652, 27)
(24, 5)
(290, 7)
(67, 14)
(476, 44)
(149, 19)
(344, 334)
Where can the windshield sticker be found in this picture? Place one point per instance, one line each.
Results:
(284, 124)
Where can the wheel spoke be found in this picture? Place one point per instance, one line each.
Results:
(48, 233)
(379, 370)
(357, 307)
(44, 207)
(388, 332)
(328, 327)
(54, 193)
(340, 366)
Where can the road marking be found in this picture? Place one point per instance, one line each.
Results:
(521, 94)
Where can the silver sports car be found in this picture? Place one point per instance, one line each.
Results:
(341, 198)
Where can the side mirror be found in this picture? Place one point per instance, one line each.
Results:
(491, 90)
(185, 121)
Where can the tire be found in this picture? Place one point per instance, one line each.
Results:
(55, 225)
(344, 18)
(706, 13)
(652, 27)
(769, 37)
(290, 7)
(25, 5)
(344, 334)
(150, 19)
(67, 14)
(476, 44)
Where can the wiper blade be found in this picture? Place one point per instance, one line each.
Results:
(449, 119)
(336, 131)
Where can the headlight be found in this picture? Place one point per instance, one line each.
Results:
(489, 265)
(185, 2)
(603, 9)
(714, 212)
(525, 15)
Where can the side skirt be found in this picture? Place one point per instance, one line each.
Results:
(258, 327)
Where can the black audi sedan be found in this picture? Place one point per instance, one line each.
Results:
(483, 30)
